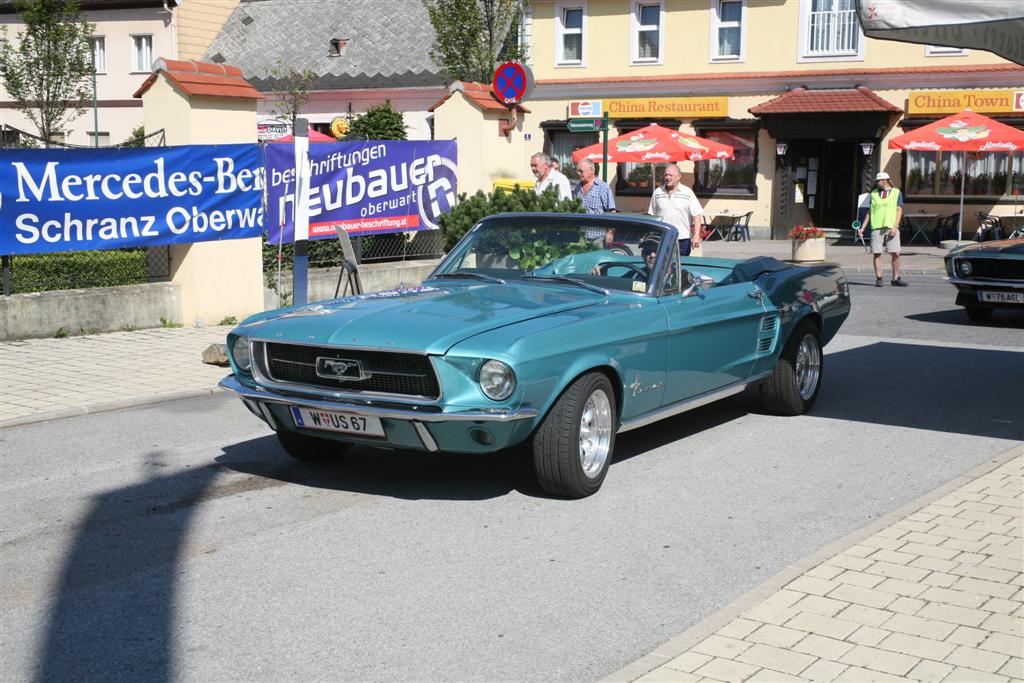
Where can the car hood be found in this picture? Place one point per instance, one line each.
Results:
(1011, 248)
(425, 318)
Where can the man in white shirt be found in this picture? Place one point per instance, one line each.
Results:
(546, 176)
(677, 205)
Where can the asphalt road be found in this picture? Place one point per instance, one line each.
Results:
(178, 542)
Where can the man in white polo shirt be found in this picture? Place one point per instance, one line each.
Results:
(540, 164)
(677, 205)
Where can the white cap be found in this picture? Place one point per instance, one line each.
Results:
(881, 176)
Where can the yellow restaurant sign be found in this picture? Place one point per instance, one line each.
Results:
(955, 101)
(651, 107)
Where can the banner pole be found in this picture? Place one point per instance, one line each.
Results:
(604, 137)
(300, 267)
(963, 175)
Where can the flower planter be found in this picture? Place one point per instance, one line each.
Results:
(809, 250)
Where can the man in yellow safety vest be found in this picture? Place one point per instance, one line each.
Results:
(885, 217)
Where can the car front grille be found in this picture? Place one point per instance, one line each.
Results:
(384, 372)
(996, 269)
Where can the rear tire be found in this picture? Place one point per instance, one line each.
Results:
(310, 448)
(573, 447)
(979, 315)
(793, 386)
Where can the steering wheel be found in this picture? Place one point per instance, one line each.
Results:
(637, 271)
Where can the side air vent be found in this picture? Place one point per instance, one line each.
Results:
(766, 335)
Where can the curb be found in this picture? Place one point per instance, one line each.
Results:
(107, 406)
(701, 630)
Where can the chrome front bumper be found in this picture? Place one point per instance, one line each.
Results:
(980, 282)
(412, 413)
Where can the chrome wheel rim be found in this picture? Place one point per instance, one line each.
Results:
(808, 366)
(595, 433)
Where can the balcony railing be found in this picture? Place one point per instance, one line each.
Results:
(832, 34)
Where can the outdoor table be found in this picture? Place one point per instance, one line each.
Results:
(729, 218)
(919, 223)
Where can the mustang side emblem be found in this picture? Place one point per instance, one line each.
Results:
(339, 368)
(641, 389)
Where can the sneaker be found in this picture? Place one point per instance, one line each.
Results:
(878, 282)
(898, 283)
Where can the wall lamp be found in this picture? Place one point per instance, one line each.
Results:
(867, 148)
(780, 148)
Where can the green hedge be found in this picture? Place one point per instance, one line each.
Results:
(78, 269)
(469, 210)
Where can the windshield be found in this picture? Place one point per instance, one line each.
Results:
(612, 255)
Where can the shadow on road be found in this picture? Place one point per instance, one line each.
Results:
(114, 604)
(1000, 318)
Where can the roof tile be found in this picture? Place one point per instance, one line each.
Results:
(201, 78)
(804, 101)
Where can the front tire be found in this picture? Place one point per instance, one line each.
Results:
(793, 386)
(573, 447)
(978, 315)
(310, 448)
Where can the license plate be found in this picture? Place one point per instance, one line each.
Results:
(1002, 297)
(343, 423)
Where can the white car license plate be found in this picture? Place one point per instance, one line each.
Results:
(344, 423)
(1002, 297)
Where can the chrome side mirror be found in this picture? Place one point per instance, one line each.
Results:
(699, 283)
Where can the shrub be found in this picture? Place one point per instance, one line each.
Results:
(469, 210)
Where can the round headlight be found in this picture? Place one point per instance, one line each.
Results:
(965, 268)
(240, 353)
(497, 380)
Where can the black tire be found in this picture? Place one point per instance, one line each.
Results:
(781, 392)
(310, 448)
(978, 315)
(556, 443)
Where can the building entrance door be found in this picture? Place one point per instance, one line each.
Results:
(827, 173)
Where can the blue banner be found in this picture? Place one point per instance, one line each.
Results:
(371, 187)
(63, 200)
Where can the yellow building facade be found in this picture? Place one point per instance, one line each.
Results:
(806, 100)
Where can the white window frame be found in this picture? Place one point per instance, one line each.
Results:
(560, 61)
(526, 32)
(717, 23)
(944, 51)
(91, 135)
(634, 33)
(101, 63)
(134, 53)
(803, 39)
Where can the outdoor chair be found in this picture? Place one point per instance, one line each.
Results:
(740, 228)
(709, 230)
(989, 228)
(945, 228)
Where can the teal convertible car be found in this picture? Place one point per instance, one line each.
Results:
(557, 330)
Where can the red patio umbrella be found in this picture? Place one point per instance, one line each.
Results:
(314, 136)
(963, 132)
(655, 144)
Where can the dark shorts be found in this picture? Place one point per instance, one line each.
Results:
(684, 247)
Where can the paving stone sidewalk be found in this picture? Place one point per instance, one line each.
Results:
(50, 378)
(935, 596)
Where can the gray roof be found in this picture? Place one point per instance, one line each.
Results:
(388, 42)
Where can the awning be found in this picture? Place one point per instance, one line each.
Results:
(804, 101)
(993, 25)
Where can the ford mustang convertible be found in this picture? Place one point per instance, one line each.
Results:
(559, 331)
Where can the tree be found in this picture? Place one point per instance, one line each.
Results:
(472, 36)
(380, 122)
(49, 73)
(292, 91)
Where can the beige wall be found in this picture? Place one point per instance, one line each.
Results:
(118, 113)
(199, 22)
(771, 42)
(217, 279)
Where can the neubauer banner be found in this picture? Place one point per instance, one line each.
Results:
(63, 200)
(364, 187)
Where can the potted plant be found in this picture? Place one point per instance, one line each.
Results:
(808, 243)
